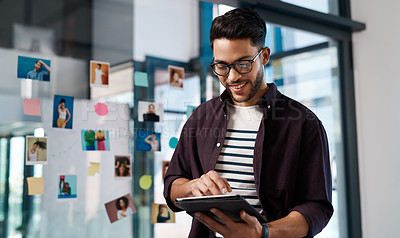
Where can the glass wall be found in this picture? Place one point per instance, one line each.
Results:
(325, 6)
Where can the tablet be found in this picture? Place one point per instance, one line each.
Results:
(231, 205)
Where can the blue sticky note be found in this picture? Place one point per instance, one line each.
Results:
(141, 79)
(173, 142)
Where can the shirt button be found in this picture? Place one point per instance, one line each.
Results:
(218, 144)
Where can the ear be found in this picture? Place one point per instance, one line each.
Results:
(265, 55)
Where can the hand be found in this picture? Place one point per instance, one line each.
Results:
(250, 228)
(210, 184)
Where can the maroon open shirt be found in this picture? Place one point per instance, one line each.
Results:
(291, 158)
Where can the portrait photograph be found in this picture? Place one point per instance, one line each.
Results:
(122, 167)
(95, 140)
(33, 68)
(165, 165)
(67, 186)
(36, 150)
(160, 213)
(63, 110)
(120, 208)
(176, 76)
(148, 141)
(150, 111)
(99, 73)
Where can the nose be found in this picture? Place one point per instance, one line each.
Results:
(233, 75)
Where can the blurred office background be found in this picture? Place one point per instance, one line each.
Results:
(338, 57)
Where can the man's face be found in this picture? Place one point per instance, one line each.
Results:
(38, 65)
(241, 87)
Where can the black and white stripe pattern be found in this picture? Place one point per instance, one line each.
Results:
(235, 163)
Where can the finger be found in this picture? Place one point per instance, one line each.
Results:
(227, 184)
(203, 188)
(223, 185)
(211, 223)
(196, 191)
(248, 218)
(210, 184)
(231, 224)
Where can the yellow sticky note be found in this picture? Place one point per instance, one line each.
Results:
(145, 182)
(93, 169)
(35, 185)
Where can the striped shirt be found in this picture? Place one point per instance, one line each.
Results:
(235, 161)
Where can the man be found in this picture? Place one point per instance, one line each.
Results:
(253, 141)
(38, 74)
(98, 73)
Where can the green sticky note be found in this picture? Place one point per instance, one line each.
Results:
(140, 79)
(145, 182)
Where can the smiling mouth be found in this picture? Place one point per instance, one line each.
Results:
(238, 86)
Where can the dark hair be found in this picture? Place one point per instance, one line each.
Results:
(62, 100)
(174, 71)
(126, 201)
(122, 160)
(161, 206)
(40, 144)
(239, 23)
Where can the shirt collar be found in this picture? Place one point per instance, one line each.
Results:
(266, 101)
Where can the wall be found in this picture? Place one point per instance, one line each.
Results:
(166, 29)
(112, 30)
(376, 65)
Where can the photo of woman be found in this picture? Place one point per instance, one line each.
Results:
(176, 75)
(33, 153)
(122, 167)
(63, 112)
(36, 150)
(122, 205)
(163, 214)
(120, 208)
(160, 213)
(153, 142)
(148, 140)
(100, 137)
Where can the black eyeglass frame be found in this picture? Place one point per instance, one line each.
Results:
(212, 65)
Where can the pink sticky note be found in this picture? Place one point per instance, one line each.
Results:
(101, 109)
(32, 107)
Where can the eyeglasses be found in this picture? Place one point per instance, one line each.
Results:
(241, 66)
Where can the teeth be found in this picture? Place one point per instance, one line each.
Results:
(239, 86)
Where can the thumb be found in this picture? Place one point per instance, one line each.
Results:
(248, 218)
